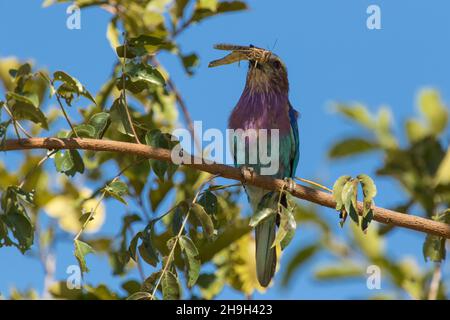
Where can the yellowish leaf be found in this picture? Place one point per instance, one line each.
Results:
(443, 173)
(434, 110)
(68, 212)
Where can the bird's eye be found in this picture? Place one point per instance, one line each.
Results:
(277, 64)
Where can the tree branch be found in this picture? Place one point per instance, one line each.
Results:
(324, 199)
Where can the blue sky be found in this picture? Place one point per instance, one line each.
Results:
(331, 56)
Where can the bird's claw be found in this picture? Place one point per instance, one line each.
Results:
(246, 172)
(289, 184)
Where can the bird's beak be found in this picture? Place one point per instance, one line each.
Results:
(239, 53)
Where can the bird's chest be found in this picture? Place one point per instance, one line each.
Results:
(259, 127)
(261, 111)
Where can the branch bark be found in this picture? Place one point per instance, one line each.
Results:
(382, 215)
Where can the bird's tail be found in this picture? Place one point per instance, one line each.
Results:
(266, 256)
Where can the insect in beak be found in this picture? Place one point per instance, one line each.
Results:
(239, 53)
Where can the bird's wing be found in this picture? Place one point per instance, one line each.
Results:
(295, 154)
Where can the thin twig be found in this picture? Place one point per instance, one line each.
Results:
(102, 196)
(314, 184)
(65, 115)
(91, 216)
(217, 188)
(435, 281)
(47, 156)
(182, 104)
(16, 123)
(180, 232)
(124, 92)
(183, 27)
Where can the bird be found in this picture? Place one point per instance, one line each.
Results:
(264, 104)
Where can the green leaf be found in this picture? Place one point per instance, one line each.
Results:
(286, 230)
(112, 33)
(300, 258)
(434, 248)
(342, 271)
(369, 189)
(150, 283)
(140, 76)
(157, 139)
(231, 6)
(24, 108)
(147, 249)
(357, 113)
(208, 200)
(351, 147)
(369, 192)
(140, 296)
(205, 220)
(118, 113)
(23, 111)
(177, 11)
(139, 46)
(117, 189)
(24, 70)
(190, 61)
(349, 199)
(69, 162)
(208, 8)
(443, 217)
(100, 121)
(31, 99)
(383, 129)
(193, 260)
(443, 173)
(261, 215)
(171, 243)
(210, 285)
(415, 131)
(21, 228)
(3, 129)
(71, 85)
(337, 191)
(434, 110)
(48, 81)
(84, 217)
(366, 220)
(177, 220)
(131, 286)
(207, 4)
(84, 131)
(25, 196)
(170, 287)
(81, 250)
(133, 246)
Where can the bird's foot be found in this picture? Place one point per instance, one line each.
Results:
(246, 173)
(289, 184)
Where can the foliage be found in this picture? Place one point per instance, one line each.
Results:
(421, 167)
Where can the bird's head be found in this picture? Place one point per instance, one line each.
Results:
(266, 70)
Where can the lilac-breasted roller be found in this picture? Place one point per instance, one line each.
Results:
(264, 104)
